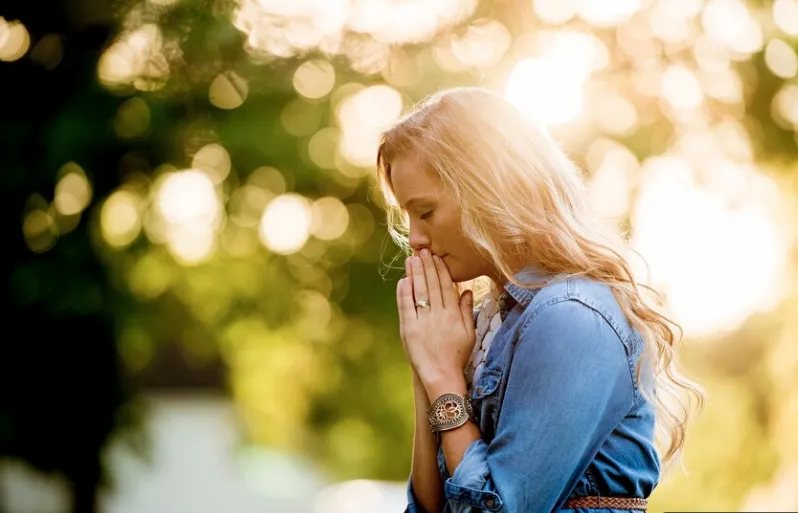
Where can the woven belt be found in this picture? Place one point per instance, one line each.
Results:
(606, 502)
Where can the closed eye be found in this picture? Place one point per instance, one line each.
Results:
(426, 215)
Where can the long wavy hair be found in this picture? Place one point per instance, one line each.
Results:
(523, 201)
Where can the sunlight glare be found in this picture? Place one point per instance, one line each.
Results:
(363, 116)
(540, 89)
(549, 88)
(555, 12)
(702, 250)
(607, 13)
(410, 21)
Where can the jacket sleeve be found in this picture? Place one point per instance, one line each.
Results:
(570, 383)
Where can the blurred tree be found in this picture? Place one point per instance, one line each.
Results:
(63, 388)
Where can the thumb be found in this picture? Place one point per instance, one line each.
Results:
(467, 311)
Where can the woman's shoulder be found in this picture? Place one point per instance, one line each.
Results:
(581, 298)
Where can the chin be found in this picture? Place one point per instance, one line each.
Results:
(455, 272)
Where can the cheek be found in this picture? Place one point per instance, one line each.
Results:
(448, 231)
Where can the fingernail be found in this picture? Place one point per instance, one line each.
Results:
(424, 252)
(417, 261)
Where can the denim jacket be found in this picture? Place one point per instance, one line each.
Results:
(560, 410)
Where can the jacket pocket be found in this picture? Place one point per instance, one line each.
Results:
(488, 383)
(485, 400)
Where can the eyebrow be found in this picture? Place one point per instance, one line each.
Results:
(419, 199)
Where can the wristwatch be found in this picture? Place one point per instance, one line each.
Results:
(450, 411)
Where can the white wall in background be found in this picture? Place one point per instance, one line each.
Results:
(198, 465)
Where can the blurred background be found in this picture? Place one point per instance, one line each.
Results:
(198, 308)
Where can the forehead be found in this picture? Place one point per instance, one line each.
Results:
(412, 179)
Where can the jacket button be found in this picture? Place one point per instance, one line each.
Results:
(490, 502)
(479, 390)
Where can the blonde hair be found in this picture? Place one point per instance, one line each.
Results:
(522, 201)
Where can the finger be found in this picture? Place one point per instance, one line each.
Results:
(467, 311)
(409, 278)
(448, 295)
(431, 276)
(419, 281)
(406, 306)
(399, 293)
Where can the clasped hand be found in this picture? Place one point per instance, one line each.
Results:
(438, 338)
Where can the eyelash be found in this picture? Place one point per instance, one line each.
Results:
(426, 215)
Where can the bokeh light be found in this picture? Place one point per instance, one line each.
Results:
(214, 160)
(135, 58)
(48, 51)
(120, 218)
(329, 218)
(314, 79)
(38, 225)
(363, 116)
(73, 190)
(607, 13)
(555, 12)
(190, 207)
(228, 91)
(730, 22)
(14, 40)
(681, 89)
(132, 118)
(483, 44)
(781, 59)
(785, 15)
(285, 225)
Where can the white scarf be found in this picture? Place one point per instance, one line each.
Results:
(487, 324)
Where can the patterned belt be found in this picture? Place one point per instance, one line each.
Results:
(606, 502)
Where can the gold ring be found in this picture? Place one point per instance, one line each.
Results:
(423, 303)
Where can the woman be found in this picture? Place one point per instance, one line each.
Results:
(544, 397)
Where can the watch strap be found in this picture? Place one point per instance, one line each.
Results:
(449, 411)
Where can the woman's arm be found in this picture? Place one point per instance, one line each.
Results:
(425, 492)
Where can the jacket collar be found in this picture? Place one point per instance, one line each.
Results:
(531, 275)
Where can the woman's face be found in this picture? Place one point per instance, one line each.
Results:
(434, 216)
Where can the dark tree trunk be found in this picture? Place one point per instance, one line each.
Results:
(84, 496)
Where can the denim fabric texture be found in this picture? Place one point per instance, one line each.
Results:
(560, 410)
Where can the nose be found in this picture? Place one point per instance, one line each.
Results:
(418, 240)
